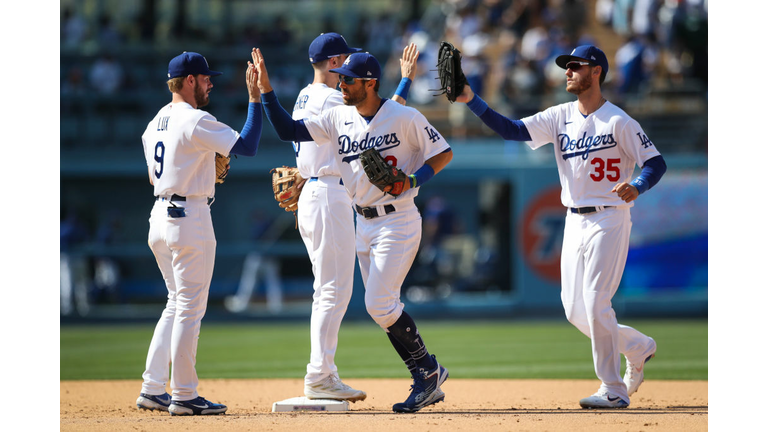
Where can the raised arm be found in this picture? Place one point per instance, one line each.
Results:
(250, 135)
(508, 129)
(408, 71)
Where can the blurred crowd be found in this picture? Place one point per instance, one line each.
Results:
(507, 45)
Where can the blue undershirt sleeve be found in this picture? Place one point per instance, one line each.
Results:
(511, 130)
(286, 127)
(653, 169)
(248, 142)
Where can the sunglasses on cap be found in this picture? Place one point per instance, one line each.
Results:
(348, 80)
(576, 65)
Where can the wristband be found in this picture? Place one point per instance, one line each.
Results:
(403, 88)
(422, 175)
(640, 184)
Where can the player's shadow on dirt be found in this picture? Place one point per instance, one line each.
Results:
(696, 409)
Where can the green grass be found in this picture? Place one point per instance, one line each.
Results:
(469, 349)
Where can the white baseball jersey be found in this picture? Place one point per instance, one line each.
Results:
(311, 159)
(594, 153)
(401, 134)
(180, 146)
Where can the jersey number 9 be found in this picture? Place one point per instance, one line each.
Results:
(159, 157)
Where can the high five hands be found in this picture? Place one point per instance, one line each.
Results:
(261, 67)
(251, 82)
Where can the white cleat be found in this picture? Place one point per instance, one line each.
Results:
(603, 400)
(333, 388)
(635, 375)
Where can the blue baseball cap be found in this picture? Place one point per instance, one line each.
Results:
(329, 45)
(189, 63)
(360, 65)
(590, 53)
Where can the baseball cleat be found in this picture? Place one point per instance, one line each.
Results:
(332, 388)
(635, 375)
(197, 406)
(603, 400)
(425, 390)
(153, 402)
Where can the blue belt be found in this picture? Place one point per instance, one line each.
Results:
(372, 212)
(585, 210)
(341, 182)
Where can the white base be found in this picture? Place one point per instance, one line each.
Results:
(309, 405)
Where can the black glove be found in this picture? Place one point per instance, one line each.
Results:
(452, 79)
(387, 178)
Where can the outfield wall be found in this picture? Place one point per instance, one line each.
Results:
(492, 235)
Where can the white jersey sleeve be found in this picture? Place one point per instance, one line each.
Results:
(211, 134)
(180, 146)
(635, 143)
(311, 159)
(541, 127)
(425, 138)
(322, 127)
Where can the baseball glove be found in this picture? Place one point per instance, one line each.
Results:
(287, 184)
(222, 167)
(452, 79)
(384, 176)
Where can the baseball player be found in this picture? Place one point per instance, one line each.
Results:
(388, 226)
(180, 145)
(325, 220)
(597, 146)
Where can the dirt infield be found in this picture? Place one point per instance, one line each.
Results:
(470, 405)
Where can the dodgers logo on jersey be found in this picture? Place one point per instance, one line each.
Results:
(432, 133)
(644, 141)
(584, 145)
(382, 142)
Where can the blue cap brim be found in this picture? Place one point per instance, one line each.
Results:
(567, 58)
(345, 72)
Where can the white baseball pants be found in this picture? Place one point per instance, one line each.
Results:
(386, 248)
(185, 250)
(328, 230)
(595, 248)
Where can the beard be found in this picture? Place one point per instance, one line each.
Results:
(201, 96)
(579, 86)
(353, 99)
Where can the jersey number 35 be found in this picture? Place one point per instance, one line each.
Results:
(603, 169)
